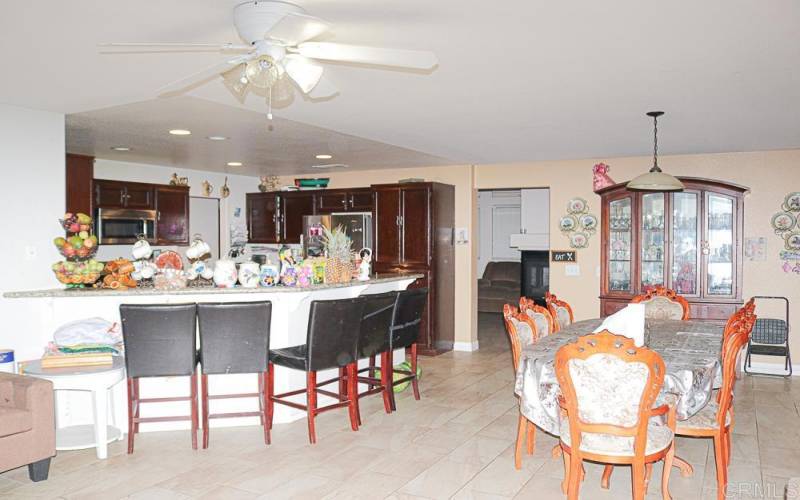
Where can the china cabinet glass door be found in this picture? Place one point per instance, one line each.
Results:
(685, 237)
(652, 239)
(718, 246)
(619, 247)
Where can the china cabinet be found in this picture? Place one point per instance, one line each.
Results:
(690, 241)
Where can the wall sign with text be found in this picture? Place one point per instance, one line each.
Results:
(563, 256)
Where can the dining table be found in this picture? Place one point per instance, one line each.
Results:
(691, 353)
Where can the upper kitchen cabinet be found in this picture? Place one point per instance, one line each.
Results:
(122, 194)
(294, 206)
(172, 215)
(344, 200)
(263, 211)
(277, 217)
(689, 241)
(79, 175)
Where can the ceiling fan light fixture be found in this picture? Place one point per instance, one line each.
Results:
(263, 72)
(655, 179)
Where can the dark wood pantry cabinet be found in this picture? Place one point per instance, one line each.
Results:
(414, 227)
(172, 215)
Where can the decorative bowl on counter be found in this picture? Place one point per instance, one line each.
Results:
(78, 273)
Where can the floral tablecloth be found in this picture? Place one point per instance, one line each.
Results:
(690, 350)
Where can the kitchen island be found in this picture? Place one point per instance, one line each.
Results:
(290, 307)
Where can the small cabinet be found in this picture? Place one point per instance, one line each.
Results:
(344, 200)
(121, 194)
(172, 215)
(262, 217)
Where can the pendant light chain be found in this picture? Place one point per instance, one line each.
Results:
(655, 142)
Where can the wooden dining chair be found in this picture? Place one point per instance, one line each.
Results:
(715, 420)
(542, 319)
(745, 313)
(521, 331)
(663, 303)
(608, 388)
(560, 311)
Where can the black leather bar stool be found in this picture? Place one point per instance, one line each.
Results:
(160, 341)
(405, 330)
(375, 339)
(331, 342)
(234, 338)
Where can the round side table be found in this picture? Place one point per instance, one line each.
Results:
(95, 379)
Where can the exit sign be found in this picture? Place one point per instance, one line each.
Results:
(563, 256)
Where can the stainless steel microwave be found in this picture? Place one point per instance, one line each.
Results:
(119, 226)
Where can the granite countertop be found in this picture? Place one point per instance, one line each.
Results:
(101, 292)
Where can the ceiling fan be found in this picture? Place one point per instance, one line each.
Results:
(277, 35)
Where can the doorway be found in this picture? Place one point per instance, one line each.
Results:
(204, 220)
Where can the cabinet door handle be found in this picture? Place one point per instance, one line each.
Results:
(158, 216)
(344, 203)
(352, 203)
(122, 197)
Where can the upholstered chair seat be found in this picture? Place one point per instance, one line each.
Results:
(659, 437)
(704, 419)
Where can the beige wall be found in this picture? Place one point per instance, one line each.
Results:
(769, 175)
(461, 177)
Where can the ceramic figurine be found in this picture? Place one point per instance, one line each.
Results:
(225, 191)
(601, 177)
(364, 267)
(225, 275)
(207, 188)
(289, 276)
(249, 274)
(174, 181)
(268, 275)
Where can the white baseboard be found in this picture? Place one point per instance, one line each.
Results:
(465, 346)
(770, 368)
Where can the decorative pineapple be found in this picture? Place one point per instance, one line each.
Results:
(339, 268)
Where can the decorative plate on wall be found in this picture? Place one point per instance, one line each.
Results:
(588, 222)
(578, 205)
(793, 241)
(792, 202)
(783, 221)
(578, 240)
(567, 223)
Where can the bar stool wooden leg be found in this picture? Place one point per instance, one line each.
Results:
(386, 381)
(352, 378)
(264, 401)
(311, 403)
(136, 398)
(414, 381)
(371, 371)
(193, 402)
(131, 410)
(270, 394)
(342, 383)
(204, 404)
(390, 371)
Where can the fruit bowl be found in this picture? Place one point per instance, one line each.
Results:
(78, 273)
(75, 223)
(79, 246)
(77, 279)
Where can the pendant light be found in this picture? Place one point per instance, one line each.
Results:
(655, 179)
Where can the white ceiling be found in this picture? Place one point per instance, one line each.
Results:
(517, 80)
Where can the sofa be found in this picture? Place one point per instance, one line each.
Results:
(499, 285)
(27, 424)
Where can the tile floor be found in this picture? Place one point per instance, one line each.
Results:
(457, 442)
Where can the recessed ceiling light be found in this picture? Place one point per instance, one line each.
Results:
(180, 131)
(217, 138)
(324, 157)
(234, 164)
(121, 148)
(331, 165)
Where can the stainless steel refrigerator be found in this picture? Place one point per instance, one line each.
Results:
(357, 225)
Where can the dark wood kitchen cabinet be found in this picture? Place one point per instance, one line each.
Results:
(344, 200)
(294, 206)
(122, 194)
(79, 176)
(413, 227)
(277, 217)
(262, 217)
(172, 215)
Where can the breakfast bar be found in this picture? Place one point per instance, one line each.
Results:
(290, 308)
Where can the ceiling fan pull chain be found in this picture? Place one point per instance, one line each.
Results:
(269, 103)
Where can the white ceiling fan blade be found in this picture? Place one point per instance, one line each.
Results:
(303, 71)
(294, 28)
(166, 46)
(180, 85)
(323, 89)
(417, 59)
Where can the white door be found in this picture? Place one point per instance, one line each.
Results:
(204, 220)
